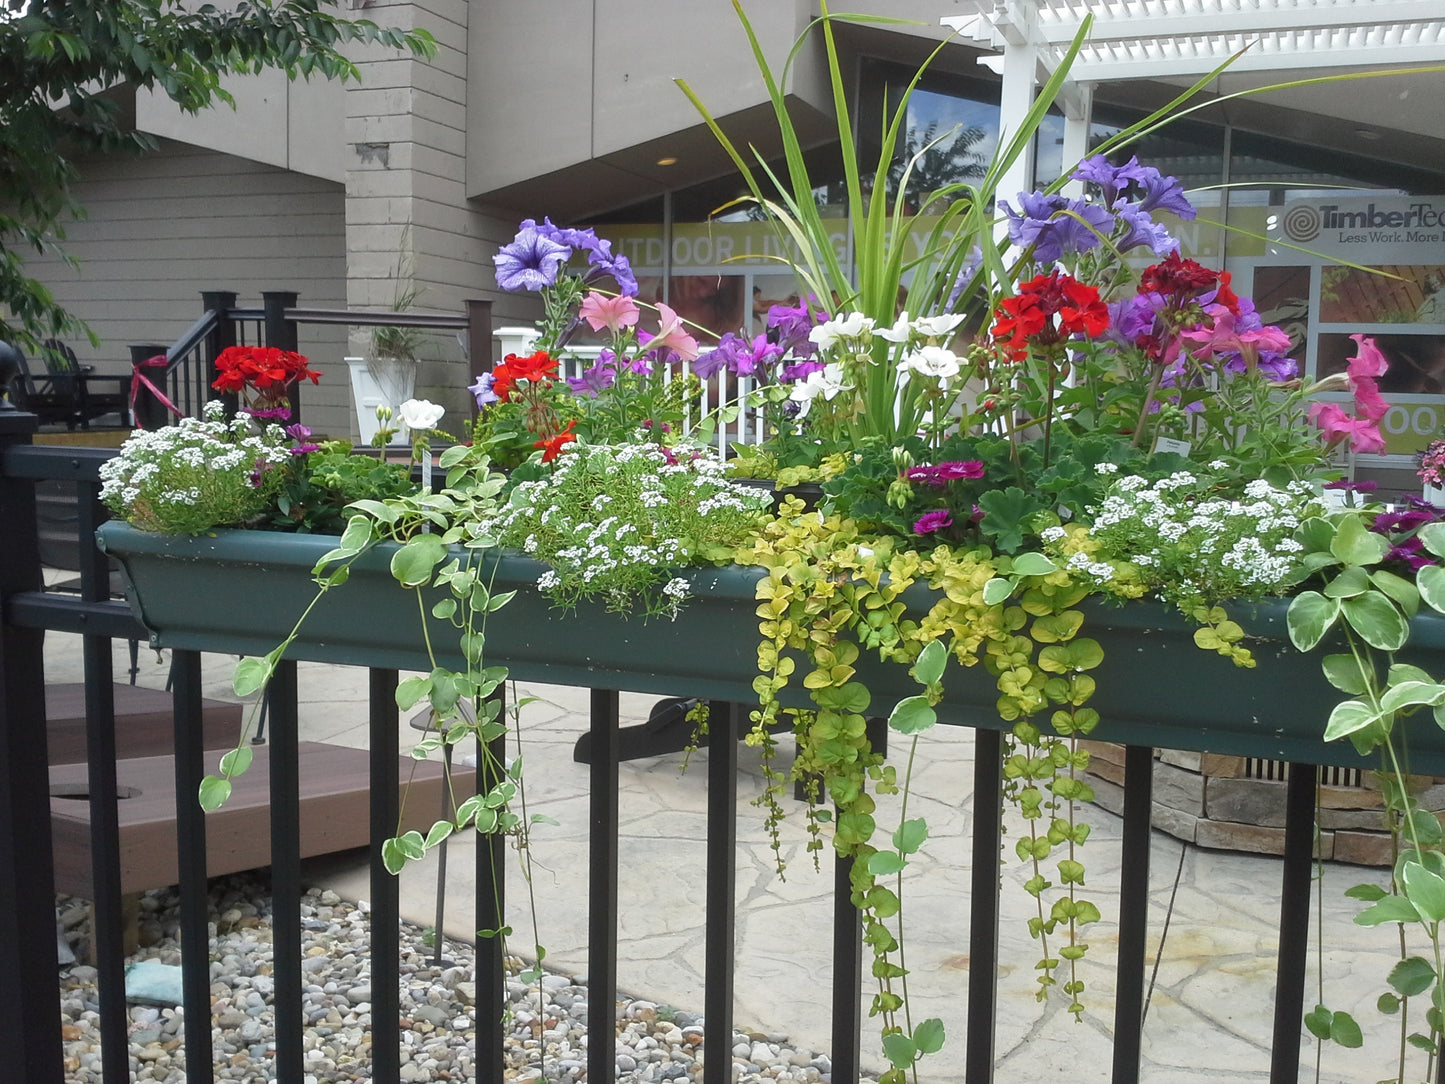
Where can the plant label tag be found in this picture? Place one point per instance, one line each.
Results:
(1169, 444)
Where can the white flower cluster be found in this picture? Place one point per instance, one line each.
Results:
(1198, 540)
(200, 473)
(614, 522)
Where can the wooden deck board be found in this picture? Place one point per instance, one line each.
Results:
(335, 791)
(144, 724)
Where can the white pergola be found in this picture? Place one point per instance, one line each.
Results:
(1186, 39)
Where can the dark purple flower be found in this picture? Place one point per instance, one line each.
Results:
(1410, 520)
(594, 381)
(601, 262)
(482, 390)
(1163, 193)
(531, 261)
(799, 371)
(723, 356)
(271, 414)
(298, 431)
(1054, 226)
(933, 521)
(1111, 179)
(752, 356)
(1410, 551)
(1133, 317)
(1143, 230)
(1363, 486)
(790, 326)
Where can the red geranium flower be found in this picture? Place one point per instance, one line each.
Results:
(539, 368)
(552, 446)
(1180, 278)
(1027, 318)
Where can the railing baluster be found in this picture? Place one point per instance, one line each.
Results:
(846, 1052)
(106, 915)
(983, 910)
(1133, 912)
(1294, 923)
(29, 1024)
(191, 859)
(385, 741)
(722, 866)
(491, 888)
(286, 875)
(602, 888)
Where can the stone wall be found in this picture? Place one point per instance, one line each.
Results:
(1230, 803)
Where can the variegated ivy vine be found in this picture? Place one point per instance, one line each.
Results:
(466, 702)
(1366, 609)
(830, 594)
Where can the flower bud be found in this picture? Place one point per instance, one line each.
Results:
(899, 494)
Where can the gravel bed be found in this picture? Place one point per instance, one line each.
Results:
(546, 1026)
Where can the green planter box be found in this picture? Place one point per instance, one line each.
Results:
(240, 592)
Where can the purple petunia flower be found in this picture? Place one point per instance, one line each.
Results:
(971, 267)
(1143, 230)
(791, 326)
(482, 390)
(594, 381)
(1133, 317)
(1113, 180)
(723, 356)
(1055, 226)
(800, 371)
(1163, 193)
(930, 522)
(531, 261)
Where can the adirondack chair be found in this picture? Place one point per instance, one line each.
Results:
(91, 396)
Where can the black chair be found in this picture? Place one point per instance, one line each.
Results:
(67, 392)
(91, 396)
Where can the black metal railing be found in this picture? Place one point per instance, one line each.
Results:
(29, 1024)
(175, 381)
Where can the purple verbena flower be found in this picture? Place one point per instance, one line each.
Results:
(532, 261)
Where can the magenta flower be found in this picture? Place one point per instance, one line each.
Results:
(933, 521)
(943, 473)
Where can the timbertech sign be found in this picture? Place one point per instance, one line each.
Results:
(1412, 228)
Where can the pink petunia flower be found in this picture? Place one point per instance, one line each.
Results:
(671, 335)
(613, 313)
(1335, 425)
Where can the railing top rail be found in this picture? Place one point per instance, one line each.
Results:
(192, 337)
(54, 461)
(440, 321)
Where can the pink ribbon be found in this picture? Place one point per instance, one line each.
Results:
(138, 378)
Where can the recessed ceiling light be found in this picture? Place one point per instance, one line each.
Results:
(1367, 134)
(668, 161)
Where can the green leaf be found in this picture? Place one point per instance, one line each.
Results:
(1412, 976)
(1431, 582)
(213, 793)
(899, 1049)
(395, 853)
(910, 835)
(1033, 564)
(1356, 544)
(884, 863)
(997, 590)
(928, 667)
(1389, 909)
(1318, 1022)
(1377, 620)
(1411, 694)
(1348, 717)
(1349, 583)
(928, 1036)
(412, 689)
(1388, 1003)
(251, 675)
(1345, 1031)
(912, 715)
(444, 609)
(1366, 892)
(1426, 890)
(1405, 594)
(412, 564)
(1343, 672)
(237, 760)
(1311, 615)
(1433, 536)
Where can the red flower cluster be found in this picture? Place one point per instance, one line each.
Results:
(538, 368)
(1181, 278)
(265, 369)
(1027, 318)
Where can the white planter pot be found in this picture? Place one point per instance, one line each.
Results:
(1435, 495)
(379, 382)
